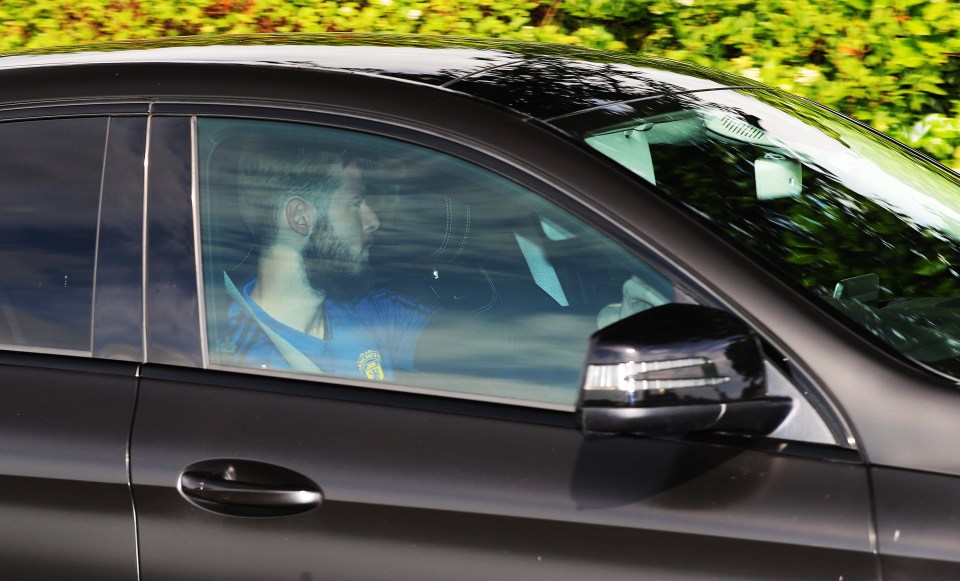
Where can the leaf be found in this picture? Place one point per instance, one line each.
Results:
(917, 27)
(932, 267)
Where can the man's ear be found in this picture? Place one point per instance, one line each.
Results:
(298, 214)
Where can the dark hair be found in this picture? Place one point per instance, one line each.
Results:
(273, 172)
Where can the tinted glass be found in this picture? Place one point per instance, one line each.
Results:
(50, 175)
(380, 260)
(548, 87)
(864, 223)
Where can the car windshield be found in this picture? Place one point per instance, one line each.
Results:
(864, 223)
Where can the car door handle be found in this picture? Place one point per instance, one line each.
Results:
(215, 489)
(248, 488)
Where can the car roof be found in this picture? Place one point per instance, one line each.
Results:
(543, 81)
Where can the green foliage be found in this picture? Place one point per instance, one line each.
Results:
(893, 64)
(889, 63)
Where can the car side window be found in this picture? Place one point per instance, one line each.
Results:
(50, 177)
(351, 255)
(869, 228)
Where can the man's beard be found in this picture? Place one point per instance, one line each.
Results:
(332, 269)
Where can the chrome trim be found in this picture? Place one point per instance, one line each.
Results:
(197, 250)
(96, 249)
(46, 350)
(143, 237)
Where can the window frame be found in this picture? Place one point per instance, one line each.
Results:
(112, 166)
(425, 128)
(416, 137)
(434, 138)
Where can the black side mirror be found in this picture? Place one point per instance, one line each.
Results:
(675, 369)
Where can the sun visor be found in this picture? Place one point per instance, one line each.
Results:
(777, 177)
(630, 148)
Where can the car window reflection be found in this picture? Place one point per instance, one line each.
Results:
(348, 255)
(868, 227)
(50, 176)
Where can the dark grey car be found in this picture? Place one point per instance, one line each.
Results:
(670, 323)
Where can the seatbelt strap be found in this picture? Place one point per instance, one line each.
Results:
(297, 360)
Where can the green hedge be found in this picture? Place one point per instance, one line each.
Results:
(894, 64)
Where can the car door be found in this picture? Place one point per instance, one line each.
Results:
(469, 464)
(71, 185)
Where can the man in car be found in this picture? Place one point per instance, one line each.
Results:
(311, 307)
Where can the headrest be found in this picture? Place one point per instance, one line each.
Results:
(428, 229)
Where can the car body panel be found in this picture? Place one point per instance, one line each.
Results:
(412, 493)
(914, 531)
(547, 88)
(425, 59)
(66, 499)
